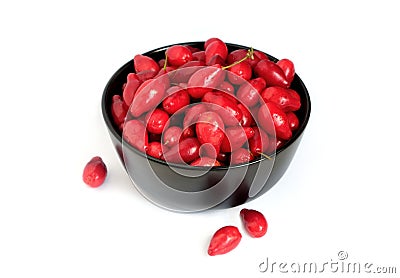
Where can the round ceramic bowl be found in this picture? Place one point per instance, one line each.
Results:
(185, 188)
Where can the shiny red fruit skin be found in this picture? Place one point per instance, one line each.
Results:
(217, 47)
(95, 172)
(206, 161)
(184, 72)
(118, 110)
(205, 80)
(288, 68)
(192, 114)
(225, 106)
(148, 74)
(272, 73)
(175, 101)
(135, 133)
(237, 55)
(144, 63)
(227, 87)
(185, 152)
(224, 240)
(235, 137)
(148, 97)
(257, 56)
(155, 149)
(188, 132)
(249, 93)
(177, 55)
(240, 156)
(132, 84)
(156, 121)
(171, 136)
(240, 73)
(271, 117)
(254, 222)
(285, 99)
(259, 143)
(199, 56)
(211, 40)
(210, 129)
(247, 118)
(293, 120)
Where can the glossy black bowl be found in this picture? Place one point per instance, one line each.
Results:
(185, 188)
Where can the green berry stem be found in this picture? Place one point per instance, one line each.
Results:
(264, 155)
(165, 62)
(249, 55)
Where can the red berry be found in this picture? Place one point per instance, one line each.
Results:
(156, 121)
(95, 172)
(177, 55)
(224, 240)
(171, 136)
(259, 143)
(193, 113)
(145, 63)
(215, 60)
(285, 99)
(279, 143)
(135, 133)
(240, 156)
(249, 93)
(131, 85)
(225, 105)
(211, 40)
(247, 118)
(257, 56)
(210, 129)
(155, 149)
(188, 132)
(227, 87)
(206, 161)
(164, 71)
(237, 55)
(118, 110)
(271, 73)
(148, 97)
(192, 48)
(288, 69)
(184, 72)
(293, 120)
(254, 222)
(216, 47)
(199, 56)
(273, 119)
(235, 137)
(205, 80)
(185, 152)
(260, 55)
(240, 73)
(175, 101)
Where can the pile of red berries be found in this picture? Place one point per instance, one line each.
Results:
(207, 107)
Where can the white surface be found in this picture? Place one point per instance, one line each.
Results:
(340, 192)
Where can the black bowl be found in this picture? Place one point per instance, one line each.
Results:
(186, 188)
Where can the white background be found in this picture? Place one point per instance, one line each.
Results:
(339, 194)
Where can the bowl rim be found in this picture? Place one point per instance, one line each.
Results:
(111, 127)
